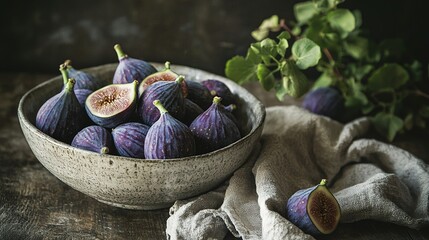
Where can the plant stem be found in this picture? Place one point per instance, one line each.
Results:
(421, 94)
(287, 29)
(332, 61)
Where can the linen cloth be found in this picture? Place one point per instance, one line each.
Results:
(369, 178)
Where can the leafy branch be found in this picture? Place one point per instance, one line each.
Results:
(372, 77)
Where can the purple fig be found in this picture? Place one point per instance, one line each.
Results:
(83, 79)
(164, 75)
(314, 210)
(218, 88)
(61, 116)
(129, 139)
(168, 137)
(130, 69)
(229, 112)
(170, 95)
(326, 101)
(213, 129)
(192, 110)
(81, 93)
(199, 94)
(112, 105)
(94, 138)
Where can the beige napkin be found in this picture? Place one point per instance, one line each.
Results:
(370, 179)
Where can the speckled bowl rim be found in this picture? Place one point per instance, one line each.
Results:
(31, 127)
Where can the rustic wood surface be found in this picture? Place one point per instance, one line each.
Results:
(36, 205)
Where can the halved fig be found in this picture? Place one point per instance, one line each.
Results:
(113, 104)
(314, 210)
(165, 75)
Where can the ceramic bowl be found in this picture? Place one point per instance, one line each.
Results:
(140, 183)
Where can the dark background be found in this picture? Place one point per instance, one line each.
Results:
(39, 35)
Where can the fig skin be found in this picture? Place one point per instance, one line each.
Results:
(213, 129)
(107, 110)
(314, 210)
(192, 111)
(165, 75)
(199, 94)
(94, 138)
(130, 69)
(81, 93)
(61, 116)
(83, 79)
(168, 137)
(129, 139)
(326, 101)
(169, 93)
(218, 88)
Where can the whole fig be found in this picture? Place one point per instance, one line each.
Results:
(199, 94)
(113, 104)
(129, 139)
(83, 79)
(326, 101)
(220, 89)
(94, 138)
(314, 210)
(192, 110)
(130, 69)
(168, 137)
(165, 75)
(169, 93)
(61, 116)
(81, 93)
(213, 129)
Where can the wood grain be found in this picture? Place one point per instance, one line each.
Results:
(36, 205)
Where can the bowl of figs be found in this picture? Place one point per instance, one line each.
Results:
(140, 135)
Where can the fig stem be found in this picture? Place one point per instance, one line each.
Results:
(323, 182)
(119, 51)
(167, 65)
(67, 63)
(70, 84)
(64, 73)
(104, 150)
(180, 79)
(160, 107)
(217, 100)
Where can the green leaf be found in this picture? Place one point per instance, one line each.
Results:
(325, 80)
(387, 124)
(253, 56)
(357, 47)
(284, 35)
(390, 75)
(280, 91)
(294, 81)
(325, 5)
(362, 71)
(240, 70)
(342, 21)
(358, 18)
(268, 47)
(282, 46)
(265, 76)
(304, 11)
(269, 24)
(306, 53)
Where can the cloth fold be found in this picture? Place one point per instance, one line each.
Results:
(370, 179)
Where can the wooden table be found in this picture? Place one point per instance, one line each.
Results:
(36, 205)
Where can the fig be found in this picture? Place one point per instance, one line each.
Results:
(112, 105)
(314, 210)
(164, 75)
(192, 110)
(83, 79)
(130, 69)
(326, 101)
(213, 129)
(81, 93)
(61, 116)
(129, 139)
(199, 94)
(170, 95)
(218, 88)
(94, 138)
(229, 112)
(168, 137)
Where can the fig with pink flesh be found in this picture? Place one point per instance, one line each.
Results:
(129, 139)
(130, 69)
(94, 138)
(113, 104)
(314, 210)
(168, 137)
